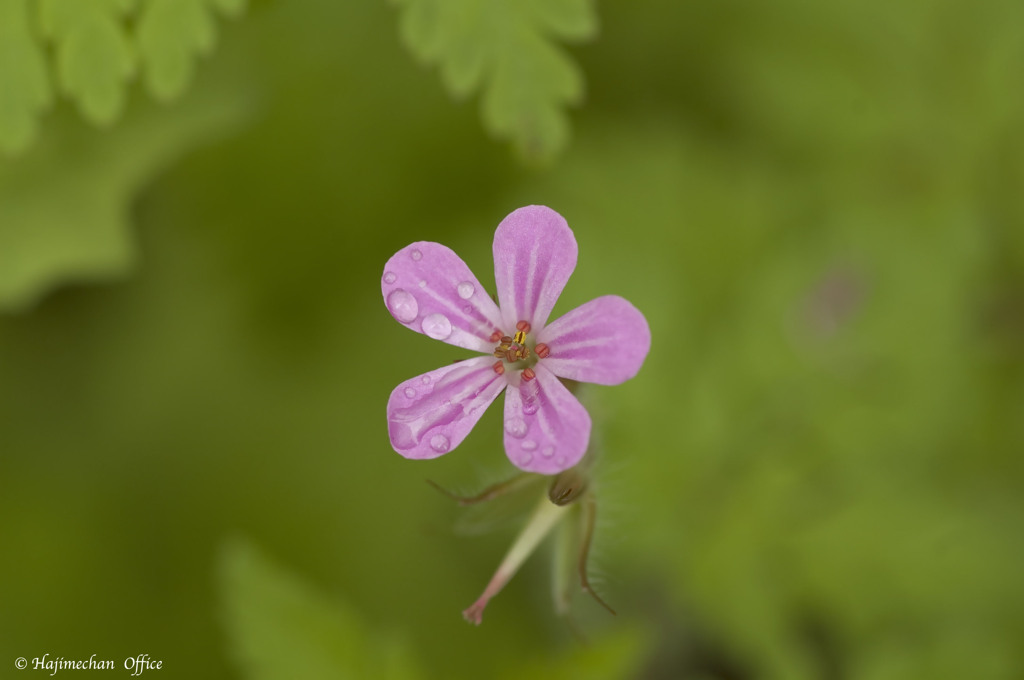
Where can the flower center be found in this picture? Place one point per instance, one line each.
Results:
(514, 350)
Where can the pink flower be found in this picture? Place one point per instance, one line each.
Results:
(429, 289)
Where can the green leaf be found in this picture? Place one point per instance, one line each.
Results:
(24, 86)
(171, 35)
(506, 49)
(94, 57)
(64, 206)
(279, 627)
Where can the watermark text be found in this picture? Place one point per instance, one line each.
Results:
(134, 665)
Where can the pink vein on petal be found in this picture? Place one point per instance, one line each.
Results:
(534, 256)
(604, 341)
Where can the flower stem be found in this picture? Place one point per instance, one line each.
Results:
(543, 519)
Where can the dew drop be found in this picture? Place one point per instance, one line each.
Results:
(560, 461)
(403, 305)
(526, 459)
(466, 290)
(423, 283)
(416, 255)
(436, 326)
(530, 407)
(516, 427)
(529, 445)
(389, 277)
(548, 451)
(410, 392)
(439, 443)
(425, 380)
(468, 309)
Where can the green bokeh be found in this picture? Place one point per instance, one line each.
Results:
(817, 474)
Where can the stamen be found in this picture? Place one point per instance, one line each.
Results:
(513, 348)
(495, 336)
(499, 367)
(523, 326)
(542, 350)
(528, 374)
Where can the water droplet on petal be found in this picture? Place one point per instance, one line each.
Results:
(389, 277)
(425, 380)
(436, 326)
(560, 460)
(416, 255)
(468, 309)
(526, 459)
(465, 289)
(516, 427)
(423, 283)
(529, 445)
(410, 392)
(439, 443)
(548, 451)
(403, 305)
(530, 407)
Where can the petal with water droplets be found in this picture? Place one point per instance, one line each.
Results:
(431, 414)
(547, 429)
(429, 289)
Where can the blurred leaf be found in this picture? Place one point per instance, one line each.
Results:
(64, 205)
(94, 57)
(24, 85)
(505, 49)
(278, 627)
(171, 34)
(610, 657)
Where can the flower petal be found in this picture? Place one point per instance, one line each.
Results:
(431, 414)
(547, 430)
(428, 288)
(534, 256)
(604, 341)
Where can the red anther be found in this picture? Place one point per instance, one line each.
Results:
(542, 350)
(528, 374)
(523, 326)
(499, 367)
(495, 336)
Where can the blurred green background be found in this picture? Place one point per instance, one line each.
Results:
(818, 473)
